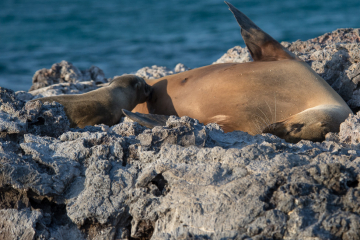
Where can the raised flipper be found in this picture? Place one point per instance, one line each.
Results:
(261, 45)
(147, 120)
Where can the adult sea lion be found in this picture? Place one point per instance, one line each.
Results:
(276, 93)
(103, 105)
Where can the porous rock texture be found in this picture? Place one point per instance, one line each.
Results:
(157, 72)
(182, 181)
(65, 72)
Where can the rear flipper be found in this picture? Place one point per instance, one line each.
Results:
(261, 45)
(312, 124)
(147, 120)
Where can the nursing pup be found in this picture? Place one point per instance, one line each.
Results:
(103, 105)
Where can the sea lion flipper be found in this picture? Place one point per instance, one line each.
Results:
(261, 45)
(147, 120)
(311, 124)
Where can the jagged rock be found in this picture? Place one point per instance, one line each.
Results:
(94, 73)
(186, 179)
(65, 72)
(157, 72)
(61, 88)
(58, 73)
(18, 117)
(180, 68)
(153, 72)
(18, 224)
(24, 96)
(127, 129)
(236, 54)
(46, 119)
(350, 130)
(12, 114)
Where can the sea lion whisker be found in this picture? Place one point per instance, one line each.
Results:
(257, 126)
(272, 117)
(261, 121)
(267, 122)
(254, 120)
(275, 107)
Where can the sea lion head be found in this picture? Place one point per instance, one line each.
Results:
(141, 89)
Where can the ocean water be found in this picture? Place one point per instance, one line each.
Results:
(122, 36)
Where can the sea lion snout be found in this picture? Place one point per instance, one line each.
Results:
(138, 85)
(144, 91)
(147, 90)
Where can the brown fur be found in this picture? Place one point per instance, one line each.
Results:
(103, 105)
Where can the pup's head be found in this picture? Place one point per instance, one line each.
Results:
(137, 84)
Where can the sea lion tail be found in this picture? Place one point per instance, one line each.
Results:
(261, 45)
(147, 120)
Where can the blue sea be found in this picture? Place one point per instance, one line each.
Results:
(122, 36)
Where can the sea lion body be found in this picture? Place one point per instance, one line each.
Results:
(243, 96)
(236, 94)
(277, 93)
(103, 105)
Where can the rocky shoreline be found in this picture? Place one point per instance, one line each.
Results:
(182, 181)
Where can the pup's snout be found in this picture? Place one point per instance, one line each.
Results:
(148, 89)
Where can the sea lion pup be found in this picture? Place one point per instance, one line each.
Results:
(103, 105)
(276, 93)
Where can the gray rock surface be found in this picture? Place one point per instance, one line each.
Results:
(350, 130)
(236, 54)
(182, 181)
(58, 89)
(19, 224)
(155, 71)
(18, 117)
(65, 72)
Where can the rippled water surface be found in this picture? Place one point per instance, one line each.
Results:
(121, 36)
